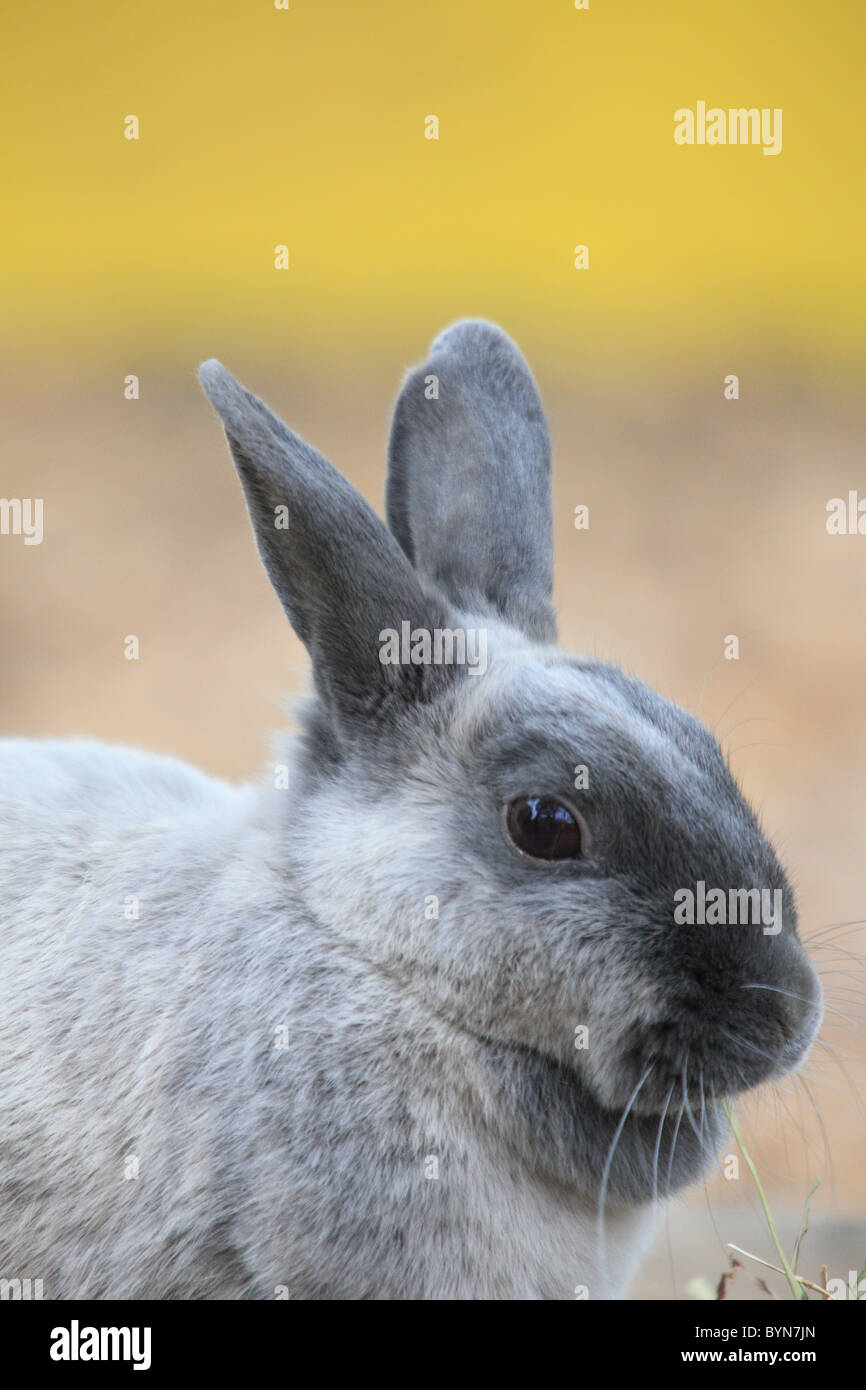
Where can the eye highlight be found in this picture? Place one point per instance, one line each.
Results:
(543, 827)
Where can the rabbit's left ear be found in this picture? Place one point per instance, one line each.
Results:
(343, 580)
(469, 478)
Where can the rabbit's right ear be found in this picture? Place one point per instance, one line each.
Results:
(340, 575)
(469, 477)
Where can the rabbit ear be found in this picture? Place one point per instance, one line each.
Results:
(339, 574)
(468, 494)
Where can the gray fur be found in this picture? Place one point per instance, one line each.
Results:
(468, 494)
(310, 1168)
(333, 545)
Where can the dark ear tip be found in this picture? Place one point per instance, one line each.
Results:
(472, 338)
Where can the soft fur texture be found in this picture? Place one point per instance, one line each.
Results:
(428, 1128)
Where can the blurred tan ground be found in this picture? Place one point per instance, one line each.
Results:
(707, 518)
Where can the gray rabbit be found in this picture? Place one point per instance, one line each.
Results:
(425, 1016)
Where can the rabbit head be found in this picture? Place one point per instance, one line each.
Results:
(517, 836)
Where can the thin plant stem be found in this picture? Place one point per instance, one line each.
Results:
(793, 1282)
(766, 1263)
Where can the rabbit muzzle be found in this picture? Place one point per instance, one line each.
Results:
(724, 1029)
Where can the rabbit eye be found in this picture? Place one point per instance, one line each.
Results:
(543, 827)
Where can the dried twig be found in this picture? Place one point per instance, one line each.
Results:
(806, 1283)
(765, 1288)
(804, 1225)
(727, 1276)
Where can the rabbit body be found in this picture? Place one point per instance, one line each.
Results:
(356, 1156)
(320, 1037)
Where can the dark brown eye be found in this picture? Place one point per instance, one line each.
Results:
(543, 827)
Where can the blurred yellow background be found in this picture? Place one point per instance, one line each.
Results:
(306, 127)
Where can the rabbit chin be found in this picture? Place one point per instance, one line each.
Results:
(639, 1116)
(608, 1152)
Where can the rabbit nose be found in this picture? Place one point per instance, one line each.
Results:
(723, 1033)
(798, 1004)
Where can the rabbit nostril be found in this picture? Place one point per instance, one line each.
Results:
(784, 1004)
(798, 1015)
